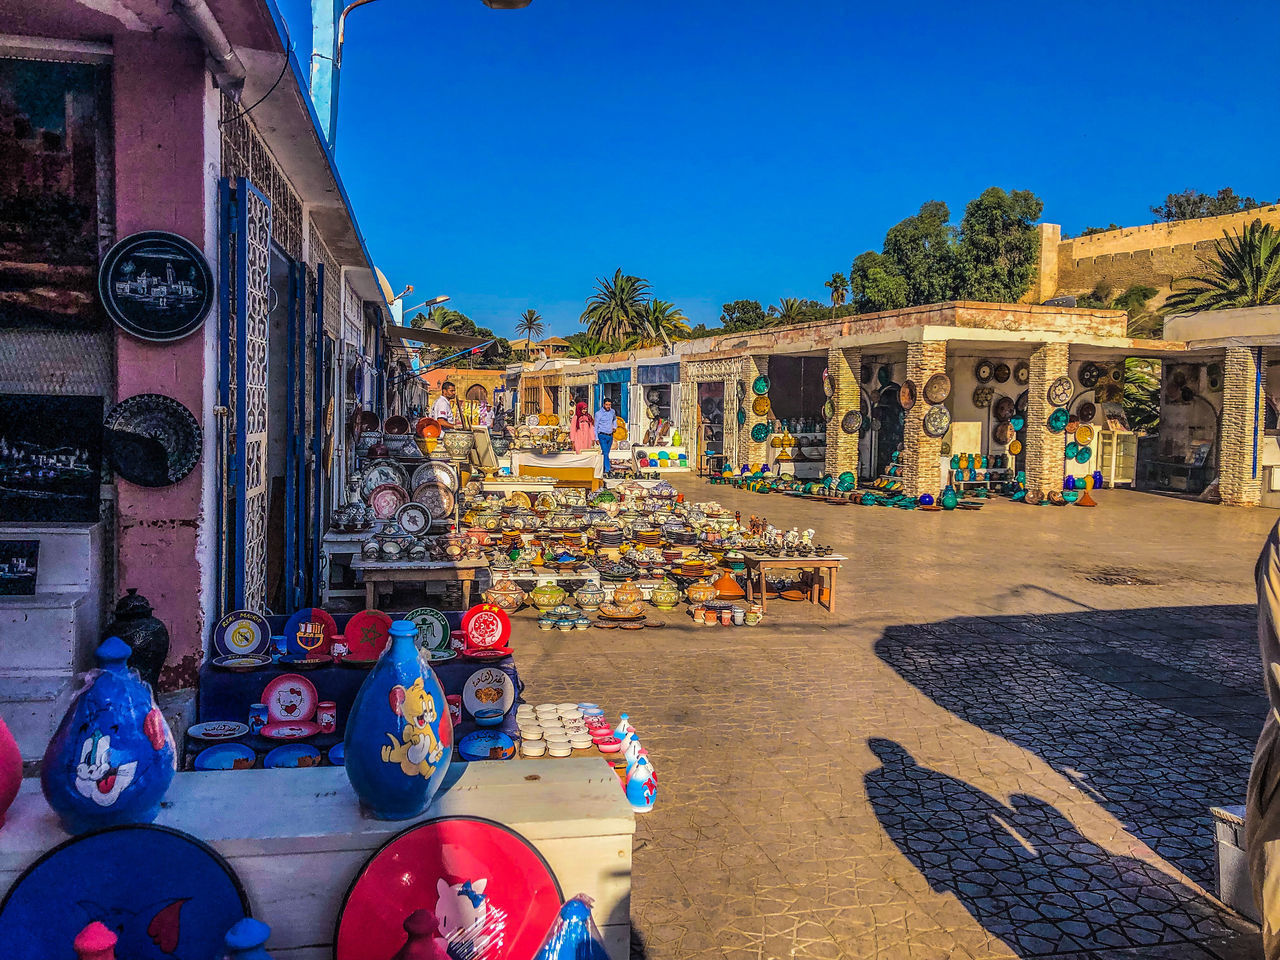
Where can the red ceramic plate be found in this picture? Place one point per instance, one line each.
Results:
(366, 635)
(486, 625)
(386, 500)
(491, 653)
(290, 730)
(490, 893)
(290, 698)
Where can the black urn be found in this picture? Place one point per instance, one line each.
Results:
(149, 638)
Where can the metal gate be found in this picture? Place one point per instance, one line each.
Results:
(242, 394)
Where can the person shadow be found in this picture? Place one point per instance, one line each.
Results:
(1024, 871)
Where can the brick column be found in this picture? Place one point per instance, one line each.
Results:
(749, 451)
(1239, 469)
(1045, 450)
(920, 452)
(843, 367)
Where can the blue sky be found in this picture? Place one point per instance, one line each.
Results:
(727, 150)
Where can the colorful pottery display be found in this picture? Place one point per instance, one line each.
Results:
(290, 698)
(627, 593)
(241, 632)
(225, 756)
(146, 636)
(162, 892)
(111, 758)
(308, 631)
(366, 634)
(488, 890)
(665, 595)
(700, 592)
(458, 443)
(399, 739)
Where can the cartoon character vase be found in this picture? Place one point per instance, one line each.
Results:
(642, 784)
(10, 769)
(112, 757)
(399, 738)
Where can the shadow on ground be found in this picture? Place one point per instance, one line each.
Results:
(1151, 712)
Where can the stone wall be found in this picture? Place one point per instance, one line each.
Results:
(843, 368)
(750, 451)
(1239, 467)
(1044, 450)
(921, 452)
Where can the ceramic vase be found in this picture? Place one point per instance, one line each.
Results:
(247, 940)
(948, 499)
(112, 758)
(146, 636)
(457, 443)
(642, 785)
(10, 769)
(399, 739)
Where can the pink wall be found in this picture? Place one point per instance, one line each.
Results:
(159, 99)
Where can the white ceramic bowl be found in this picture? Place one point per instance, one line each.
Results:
(560, 750)
(533, 748)
(531, 733)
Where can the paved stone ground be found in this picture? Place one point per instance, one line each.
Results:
(981, 754)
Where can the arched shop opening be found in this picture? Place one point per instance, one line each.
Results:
(796, 418)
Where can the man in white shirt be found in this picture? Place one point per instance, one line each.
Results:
(606, 422)
(444, 410)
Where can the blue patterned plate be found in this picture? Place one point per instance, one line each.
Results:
(293, 755)
(225, 756)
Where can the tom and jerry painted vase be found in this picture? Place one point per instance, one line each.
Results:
(399, 737)
(112, 758)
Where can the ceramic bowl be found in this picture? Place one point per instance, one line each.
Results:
(490, 717)
(533, 748)
(560, 750)
(531, 733)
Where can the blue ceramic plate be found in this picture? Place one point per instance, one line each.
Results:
(224, 756)
(760, 432)
(1083, 455)
(1058, 420)
(1018, 422)
(293, 755)
(760, 385)
(1071, 449)
(241, 632)
(338, 754)
(486, 745)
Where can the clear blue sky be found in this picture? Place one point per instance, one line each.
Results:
(729, 150)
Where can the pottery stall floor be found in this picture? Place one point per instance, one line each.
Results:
(1005, 743)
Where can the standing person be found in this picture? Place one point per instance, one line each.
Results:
(606, 422)
(582, 431)
(444, 410)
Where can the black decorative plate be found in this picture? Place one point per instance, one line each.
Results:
(152, 440)
(156, 285)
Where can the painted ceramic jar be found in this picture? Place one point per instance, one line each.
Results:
(10, 769)
(627, 593)
(399, 737)
(642, 785)
(665, 595)
(457, 443)
(589, 596)
(701, 592)
(506, 594)
(111, 759)
(547, 595)
(146, 636)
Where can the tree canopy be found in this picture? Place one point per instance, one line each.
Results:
(1243, 272)
(1192, 204)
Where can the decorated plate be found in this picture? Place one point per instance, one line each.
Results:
(292, 755)
(1071, 449)
(441, 656)
(828, 410)
(760, 432)
(760, 406)
(1084, 435)
(851, 422)
(486, 745)
(486, 626)
(520, 499)
(152, 440)
(1001, 373)
(742, 417)
(1058, 420)
(437, 498)
(490, 653)
(1004, 409)
(413, 518)
(217, 730)
(366, 634)
(310, 630)
(289, 698)
(982, 396)
(386, 500)
(381, 472)
(760, 385)
(1017, 421)
(937, 420)
(290, 730)
(489, 689)
(827, 388)
(1060, 391)
(225, 756)
(1015, 447)
(489, 890)
(1002, 432)
(1021, 373)
(1021, 403)
(1086, 412)
(433, 628)
(937, 388)
(164, 893)
(242, 663)
(907, 394)
(301, 661)
(1083, 454)
(1090, 374)
(241, 632)
(983, 371)
(439, 470)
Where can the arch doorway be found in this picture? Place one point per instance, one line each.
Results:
(476, 393)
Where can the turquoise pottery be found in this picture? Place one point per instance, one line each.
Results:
(1083, 455)
(111, 759)
(1071, 450)
(1058, 420)
(948, 499)
(955, 461)
(1071, 496)
(399, 738)
(1018, 422)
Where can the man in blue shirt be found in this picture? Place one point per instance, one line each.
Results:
(606, 423)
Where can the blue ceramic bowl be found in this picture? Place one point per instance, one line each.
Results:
(489, 717)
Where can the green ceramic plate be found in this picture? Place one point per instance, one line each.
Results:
(760, 385)
(760, 432)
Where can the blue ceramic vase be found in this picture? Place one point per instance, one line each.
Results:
(111, 759)
(399, 738)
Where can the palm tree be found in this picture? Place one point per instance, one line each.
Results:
(789, 310)
(663, 323)
(1141, 398)
(839, 287)
(615, 312)
(451, 321)
(530, 325)
(1245, 272)
(585, 345)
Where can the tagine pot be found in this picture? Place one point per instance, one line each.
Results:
(399, 738)
(665, 595)
(627, 593)
(146, 636)
(10, 769)
(112, 757)
(547, 595)
(506, 593)
(589, 596)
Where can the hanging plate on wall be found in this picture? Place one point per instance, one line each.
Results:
(1213, 377)
(760, 406)
(1089, 375)
(760, 385)
(742, 417)
(1086, 412)
(1084, 435)
(851, 422)
(1002, 432)
(1021, 372)
(937, 388)
(1021, 403)
(984, 371)
(1004, 409)
(907, 394)
(1060, 391)
(885, 375)
(1083, 454)
(937, 420)
(828, 410)
(1001, 373)
(156, 286)
(152, 440)
(1057, 420)
(982, 396)
(827, 388)
(760, 432)
(1015, 447)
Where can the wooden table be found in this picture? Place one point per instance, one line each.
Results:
(822, 568)
(416, 571)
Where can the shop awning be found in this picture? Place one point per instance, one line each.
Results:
(415, 338)
(659, 373)
(616, 375)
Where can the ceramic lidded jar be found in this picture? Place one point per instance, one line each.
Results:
(399, 738)
(665, 595)
(547, 595)
(506, 593)
(146, 636)
(701, 592)
(112, 758)
(627, 593)
(589, 596)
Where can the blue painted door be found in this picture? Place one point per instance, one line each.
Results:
(295, 478)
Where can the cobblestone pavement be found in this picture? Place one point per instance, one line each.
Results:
(981, 753)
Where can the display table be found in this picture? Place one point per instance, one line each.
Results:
(823, 570)
(297, 840)
(583, 469)
(416, 571)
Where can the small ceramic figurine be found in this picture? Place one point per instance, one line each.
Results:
(112, 758)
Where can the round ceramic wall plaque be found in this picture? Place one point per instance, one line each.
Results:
(156, 285)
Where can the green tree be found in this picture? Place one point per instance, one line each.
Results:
(839, 287)
(997, 249)
(742, 315)
(450, 321)
(1090, 231)
(530, 325)
(789, 310)
(663, 323)
(1244, 272)
(1143, 322)
(922, 249)
(584, 345)
(875, 283)
(1141, 400)
(1192, 204)
(615, 312)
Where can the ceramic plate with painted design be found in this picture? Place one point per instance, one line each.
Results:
(242, 632)
(366, 634)
(486, 625)
(242, 664)
(489, 688)
(291, 730)
(217, 730)
(225, 756)
(309, 630)
(433, 628)
(292, 755)
(290, 698)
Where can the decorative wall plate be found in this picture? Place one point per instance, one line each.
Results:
(163, 893)
(1015, 447)
(828, 410)
(381, 472)
(310, 630)
(292, 755)
(851, 422)
(1018, 422)
(1002, 432)
(937, 388)
(433, 628)
(1001, 373)
(413, 518)
(1021, 372)
(489, 688)
(486, 625)
(742, 417)
(1058, 420)
(291, 730)
(1060, 391)
(437, 498)
(152, 440)
(242, 662)
(885, 374)
(760, 406)
(289, 698)
(439, 470)
(760, 432)
(982, 396)
(156, 286)
(367, 634)
(760, 385)
(907, 394)
(1083, 454)
(827, 388)
(937, 420)
(1004, 409)
(225, 756)
(241, 632)
(983, 371)
(1089, 375)
(387, 499)
(1021, 403)
(1086, 412)
(1069, 452)
(215, 730)
(1084, 435)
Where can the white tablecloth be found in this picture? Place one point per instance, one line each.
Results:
(587, 459)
